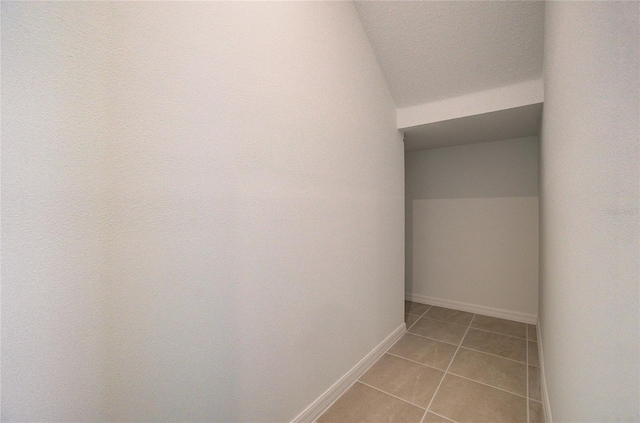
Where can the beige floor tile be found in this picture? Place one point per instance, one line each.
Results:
(410, 319)
(440, 331)
(532, 333)
(450, 316)
(407, 380)
(533, 354)
(536, 412)
(362, 404)
(434, 418)
(494, 343)
(505, 327)
(415, 308)
(426, 351)
(463, 400)
(534, 384)
(495, 371)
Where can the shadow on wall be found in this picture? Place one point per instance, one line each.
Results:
(472, 226)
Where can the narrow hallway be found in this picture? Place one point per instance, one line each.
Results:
(450, 366)
(213, 211)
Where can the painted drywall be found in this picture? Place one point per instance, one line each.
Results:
(54, 127)
(202, 209)
(589, 197)
(488, 101)
(505, 124)
(257, 189)
(472, 226)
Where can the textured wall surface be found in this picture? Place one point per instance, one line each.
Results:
(258, 191)
(493, 100)
(472, 225)
(54, 127)
(589, 202)
(207, 197)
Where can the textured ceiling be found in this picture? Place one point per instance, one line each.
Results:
(432, 50)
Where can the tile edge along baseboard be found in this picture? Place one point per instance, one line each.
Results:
(473, 308)
(331, 395)
(546, 406)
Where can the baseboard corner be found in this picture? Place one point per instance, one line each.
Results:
(474, 308)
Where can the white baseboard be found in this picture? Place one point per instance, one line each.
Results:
(543, 381)
(324, 401)
(473, 308)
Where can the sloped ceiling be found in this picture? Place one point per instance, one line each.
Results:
(516, 122)
(433, 50)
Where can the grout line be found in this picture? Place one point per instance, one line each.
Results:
(494, 355)
(413, 361)
(391, 395)
(418, 319)
(461, 376)
(528, 393)
(447, 371)
(450, 363)
(445, 321)
(498, 333)
(424, 312)
(442, 321)
(483, 315)
(432, 339)
(440, 415)
(419, 316)
(486, 384)
(411, 326)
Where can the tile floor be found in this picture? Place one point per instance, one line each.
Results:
(451, 366)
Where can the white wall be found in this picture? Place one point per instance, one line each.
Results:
(253, 180)
(489, 101)
(472, 227)
(589, 314)
(54, 128)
